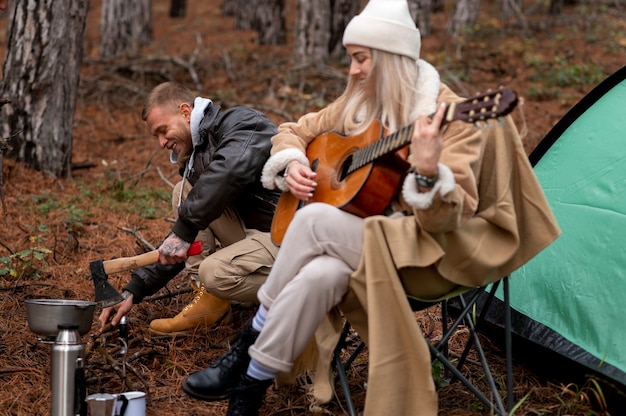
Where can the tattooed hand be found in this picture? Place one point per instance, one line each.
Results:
(173, 250)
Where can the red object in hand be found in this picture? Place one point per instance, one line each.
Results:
(194, 249)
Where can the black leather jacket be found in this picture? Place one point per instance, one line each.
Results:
(227, 163)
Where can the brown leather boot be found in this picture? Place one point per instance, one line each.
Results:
(204, 310)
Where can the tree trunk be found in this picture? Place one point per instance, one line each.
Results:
(511, 8)
(464, 17)
(420, 11)
(437, 6)
(319, 28)
(556, 6)
(126, 27)
(313, 32)
(41, 76)
(342, 12)
(178, 8)
(270, 21)
(245, 14)
(229, 7)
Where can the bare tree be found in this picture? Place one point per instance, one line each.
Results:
(513, 8)
(313, 32)
(126, 27)
(318, 26)
(437, 6)
(266, 17)
(245, 14)
(270, 21)
(342, 12)
(464, 16)
(41, 75)
(178, 8)
(229, 7)
(556, 6)
(420, 11)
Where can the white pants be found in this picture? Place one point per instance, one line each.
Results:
(321, 248)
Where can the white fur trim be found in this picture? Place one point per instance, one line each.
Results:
(423, 200)
(428, 84)
(270, 178)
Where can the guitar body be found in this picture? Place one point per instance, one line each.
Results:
(360, 174)
(366, 191)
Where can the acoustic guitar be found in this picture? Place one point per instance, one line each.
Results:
(361, 174)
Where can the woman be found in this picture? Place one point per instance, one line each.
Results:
(329, 256)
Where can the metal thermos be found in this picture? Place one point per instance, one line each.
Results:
(67, 375)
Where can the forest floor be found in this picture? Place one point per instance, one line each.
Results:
(116, 203)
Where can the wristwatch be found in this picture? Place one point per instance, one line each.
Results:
(424, 181)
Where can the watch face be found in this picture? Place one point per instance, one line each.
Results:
(425, 181)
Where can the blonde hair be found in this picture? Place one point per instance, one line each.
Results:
(389, 93)
(168, 94)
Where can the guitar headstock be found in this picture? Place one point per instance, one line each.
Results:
(491, 104)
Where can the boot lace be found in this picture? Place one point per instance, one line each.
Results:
(247, 399)
(238, 356)
(195, 299)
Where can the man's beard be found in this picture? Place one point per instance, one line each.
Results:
(183, 157)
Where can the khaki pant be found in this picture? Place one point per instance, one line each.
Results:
(237, 269)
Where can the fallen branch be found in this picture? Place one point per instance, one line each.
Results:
(138, 236)
(115, 365)
(14, 286)
(22, 370)
(168, 295)
(167, 181)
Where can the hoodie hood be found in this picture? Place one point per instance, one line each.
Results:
(197, 114)
(200, 105)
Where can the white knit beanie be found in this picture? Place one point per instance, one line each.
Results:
(386, 25)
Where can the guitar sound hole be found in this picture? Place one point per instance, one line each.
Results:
(345, 166)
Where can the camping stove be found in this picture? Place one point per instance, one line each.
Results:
(61, 323)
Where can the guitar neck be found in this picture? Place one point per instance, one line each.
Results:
(380, 148)
(478, 108)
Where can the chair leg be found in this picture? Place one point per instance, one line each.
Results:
(508, 341)
(440, 351)
(496, 404)
(341, 367)
(344, 385)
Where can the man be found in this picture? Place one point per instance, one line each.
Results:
(220, 155)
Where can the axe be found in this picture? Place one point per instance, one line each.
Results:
(106, 294)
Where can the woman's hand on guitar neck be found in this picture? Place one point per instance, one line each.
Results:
(301, 180)
(427, 142)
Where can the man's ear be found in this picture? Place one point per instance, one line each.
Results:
(185, 110)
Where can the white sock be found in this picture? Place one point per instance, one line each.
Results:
(259, 318)
(258, 371)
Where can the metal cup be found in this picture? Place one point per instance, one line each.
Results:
(101, 404)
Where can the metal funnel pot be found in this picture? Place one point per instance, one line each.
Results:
(45, 315)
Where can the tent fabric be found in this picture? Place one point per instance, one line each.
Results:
(571, 297)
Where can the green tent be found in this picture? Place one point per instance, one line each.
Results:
(571, 298)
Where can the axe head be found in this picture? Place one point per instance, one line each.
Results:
(106, 295)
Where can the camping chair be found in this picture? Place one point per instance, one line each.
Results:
(467, 302)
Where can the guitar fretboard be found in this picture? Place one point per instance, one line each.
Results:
(379, 148)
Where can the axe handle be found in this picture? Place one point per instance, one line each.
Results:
(124, 264)
(130, 263)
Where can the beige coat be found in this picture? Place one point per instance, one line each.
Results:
(485, 218)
